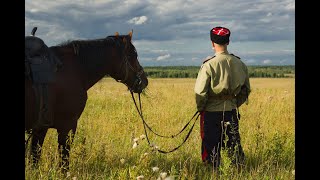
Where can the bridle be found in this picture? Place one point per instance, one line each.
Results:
(137, 81)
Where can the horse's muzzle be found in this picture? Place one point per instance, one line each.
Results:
(139, 84)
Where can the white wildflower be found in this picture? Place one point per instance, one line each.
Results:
(153, 146)
(293, 172)
(226, 123)
(140, 177)
(68, 174)
(134, 145)
(163, 175)
(145, 154)
(142, 136)
(155, 169)
(169, 178)
(135, 139)
(122, 161)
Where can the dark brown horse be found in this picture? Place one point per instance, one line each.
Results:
(85, 62)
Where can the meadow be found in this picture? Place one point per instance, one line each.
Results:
(104, 145)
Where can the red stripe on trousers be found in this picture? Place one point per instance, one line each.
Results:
(204, 154)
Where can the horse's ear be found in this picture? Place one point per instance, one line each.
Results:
(130, 34)
(116, 34)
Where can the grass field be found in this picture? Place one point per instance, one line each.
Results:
(104, 147)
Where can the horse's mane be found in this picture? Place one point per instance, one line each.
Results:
(95, 44)
(92, 52)
(110, 40)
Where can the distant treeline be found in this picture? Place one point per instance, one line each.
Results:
(192, 71)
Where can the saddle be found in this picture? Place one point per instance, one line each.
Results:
(41, 66)
(40, 62)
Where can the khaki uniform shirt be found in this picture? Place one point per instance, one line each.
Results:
(223, 74)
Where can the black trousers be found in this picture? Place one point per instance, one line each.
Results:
(215, 126)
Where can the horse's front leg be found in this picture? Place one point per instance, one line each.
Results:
(65, 140)
(38, 136)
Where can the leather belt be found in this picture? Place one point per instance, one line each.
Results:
(224, 97)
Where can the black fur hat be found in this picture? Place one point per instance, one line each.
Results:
(220, 35)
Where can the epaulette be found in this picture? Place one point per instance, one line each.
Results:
(235, 56)
(208, 59)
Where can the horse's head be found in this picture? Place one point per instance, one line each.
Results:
(130, 72)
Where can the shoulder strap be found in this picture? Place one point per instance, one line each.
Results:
(235, 56)
(208, 59)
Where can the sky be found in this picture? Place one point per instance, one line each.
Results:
(173, 32)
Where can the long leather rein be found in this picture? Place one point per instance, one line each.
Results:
(196, 114)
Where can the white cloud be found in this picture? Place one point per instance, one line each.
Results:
(160, 58)
(34, 10)
(267, 61)
(138, 20)
(291, 6)
(195, 59)
(178, 26)
(158, 51)
(250, 61)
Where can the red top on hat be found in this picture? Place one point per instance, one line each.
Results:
(220, 31)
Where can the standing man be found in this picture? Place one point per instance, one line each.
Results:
(221, 87)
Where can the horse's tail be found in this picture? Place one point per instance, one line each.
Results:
(27, 141)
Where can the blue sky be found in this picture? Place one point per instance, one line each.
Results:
(173, 32)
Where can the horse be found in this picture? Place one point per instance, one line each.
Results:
(85, 62)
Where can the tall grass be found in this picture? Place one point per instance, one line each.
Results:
(103, 144)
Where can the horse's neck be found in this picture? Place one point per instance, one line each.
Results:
(95, 68)
(91, 67)
(92, 79)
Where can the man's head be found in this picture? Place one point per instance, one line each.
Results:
(220, 35)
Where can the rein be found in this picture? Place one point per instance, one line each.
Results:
(197, 114)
